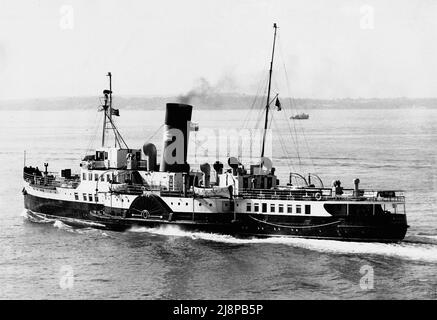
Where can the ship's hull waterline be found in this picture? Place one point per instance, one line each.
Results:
(241, 225)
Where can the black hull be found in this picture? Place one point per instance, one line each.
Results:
(243, 225)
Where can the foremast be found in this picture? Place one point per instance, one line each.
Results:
(108, 123)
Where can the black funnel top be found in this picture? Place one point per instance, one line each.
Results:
(177, 117)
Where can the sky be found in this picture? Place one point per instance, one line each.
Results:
(325, 49)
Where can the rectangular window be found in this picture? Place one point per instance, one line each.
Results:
(264, 207)
(90, 197)
(84, 176)
(256, 207)
(96, 177)
(298, 208)
(307, 209)
(272, 207)
(281, 208)
(84, 197)
(76, 196)
(96, 198)
(102, 177)
(289, 208)
(248, 207)
(108, 177)
(90, 176)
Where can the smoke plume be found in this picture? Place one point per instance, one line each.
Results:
(202, 91)
(212, 95)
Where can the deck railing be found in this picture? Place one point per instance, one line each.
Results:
(51, 181)
(320, 194)
(307, 194)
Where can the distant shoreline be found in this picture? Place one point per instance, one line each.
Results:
(216, 102)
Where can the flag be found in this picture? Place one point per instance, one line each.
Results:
(278, 104)
(115, 112)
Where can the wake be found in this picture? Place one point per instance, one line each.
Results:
(36, 218)
(416, 251)
(415, 248)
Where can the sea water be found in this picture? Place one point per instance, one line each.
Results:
(389, 149)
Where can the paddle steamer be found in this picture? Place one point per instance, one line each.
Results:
(118, 187)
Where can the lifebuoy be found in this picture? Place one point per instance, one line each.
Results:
(318, 196)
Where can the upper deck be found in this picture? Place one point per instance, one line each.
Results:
(51, 180)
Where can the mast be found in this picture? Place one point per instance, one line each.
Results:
(107, 108)
(110, 103)
(268, 92)
(107, 118)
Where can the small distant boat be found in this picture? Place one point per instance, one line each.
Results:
(300, 116)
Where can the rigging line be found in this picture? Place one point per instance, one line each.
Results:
(261, 88)
(153, 135)
(94, 133)
(299, 127)
(117, 141)
(291, 103)
(262, 110)
(282, 143)
(289, 93)
(295, 136)
(253, 103)
(283, 147)
(254, 129)
(309, 151)
(290, 99)
(117, 133)
(260, 116)
(120, 137)
(296, 140)
(284, 150)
